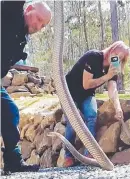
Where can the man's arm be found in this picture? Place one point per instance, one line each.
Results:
(10, 21)
(9, 8)
(10, 26)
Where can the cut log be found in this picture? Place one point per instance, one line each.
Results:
(25, 68)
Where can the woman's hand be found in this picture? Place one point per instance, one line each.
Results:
(119, 114)
(111, 72)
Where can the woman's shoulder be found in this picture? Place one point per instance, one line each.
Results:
(93, 52)
(92, 56)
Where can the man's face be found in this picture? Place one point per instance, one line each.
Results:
(35, 21)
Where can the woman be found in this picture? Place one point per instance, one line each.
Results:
(92, 70)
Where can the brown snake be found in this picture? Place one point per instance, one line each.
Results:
(66, 100)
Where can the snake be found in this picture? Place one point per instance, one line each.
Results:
(71, 111)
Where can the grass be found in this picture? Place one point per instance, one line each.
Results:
(105, 96)
(29, 101)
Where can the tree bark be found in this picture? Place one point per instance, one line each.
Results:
(114, 20)
(85, 28)
(102, 25)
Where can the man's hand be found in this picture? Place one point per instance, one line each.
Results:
(111, 72)
(119, 114)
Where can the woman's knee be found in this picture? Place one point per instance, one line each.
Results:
(89, 108)
(91, 113)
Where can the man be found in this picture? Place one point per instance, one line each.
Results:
(92, 70)
(16, 23)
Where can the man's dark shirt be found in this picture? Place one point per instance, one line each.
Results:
(13, 33)
(92, 61)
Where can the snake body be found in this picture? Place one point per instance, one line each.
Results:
(75, 153)
(65, 98)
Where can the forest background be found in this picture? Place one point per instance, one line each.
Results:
(88, 25)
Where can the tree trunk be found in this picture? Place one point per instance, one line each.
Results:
(115, 36)
(85, 28)
(114, 20)
(102, 25)
(79, 23)
(128, 18)
(120, 83)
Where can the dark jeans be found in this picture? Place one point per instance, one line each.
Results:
(9, 126)
(89, 111)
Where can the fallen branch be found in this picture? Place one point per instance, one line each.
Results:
(25, 68)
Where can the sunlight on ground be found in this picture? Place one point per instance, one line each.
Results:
(105, 96)
(46, 100)
(37, 103)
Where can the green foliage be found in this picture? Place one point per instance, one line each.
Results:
(81, 17)
(43, 55)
